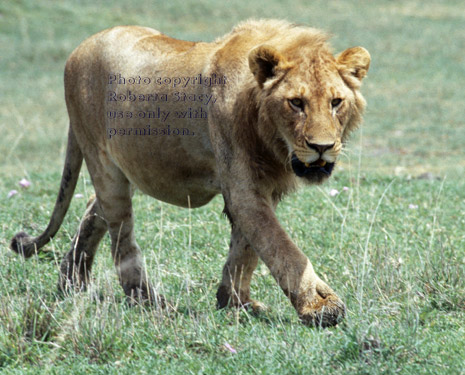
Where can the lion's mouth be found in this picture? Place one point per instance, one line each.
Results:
(316, 170)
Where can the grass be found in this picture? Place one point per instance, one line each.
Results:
(392, 245)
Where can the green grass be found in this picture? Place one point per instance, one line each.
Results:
(392, 245)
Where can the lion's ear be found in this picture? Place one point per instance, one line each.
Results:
(263, 61)
(354, 62)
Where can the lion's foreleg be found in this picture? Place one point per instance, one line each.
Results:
(242, 260)
(315, 302)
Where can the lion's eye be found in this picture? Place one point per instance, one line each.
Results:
(296, 104)
(335, 102)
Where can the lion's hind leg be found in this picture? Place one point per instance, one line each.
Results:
(114, 195)
(77, 263)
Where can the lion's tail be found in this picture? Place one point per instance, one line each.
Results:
(26, 245)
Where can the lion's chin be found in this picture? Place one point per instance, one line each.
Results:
(315, 172)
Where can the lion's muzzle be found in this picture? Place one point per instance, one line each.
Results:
(314, 172)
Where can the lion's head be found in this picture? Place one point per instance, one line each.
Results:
(310, 99)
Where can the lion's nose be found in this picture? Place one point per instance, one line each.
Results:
(319, 148)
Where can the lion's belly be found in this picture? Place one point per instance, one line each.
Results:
(185, 191)
(174, 168)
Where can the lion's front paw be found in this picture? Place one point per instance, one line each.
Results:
(224, 299)
(254, 307)
(319, 307)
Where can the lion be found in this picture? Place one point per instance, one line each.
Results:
(249, 115)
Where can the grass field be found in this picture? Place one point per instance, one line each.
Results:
(392, 245)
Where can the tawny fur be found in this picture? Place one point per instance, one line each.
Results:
(282, 114)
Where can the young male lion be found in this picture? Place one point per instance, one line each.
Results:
(247, 116)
